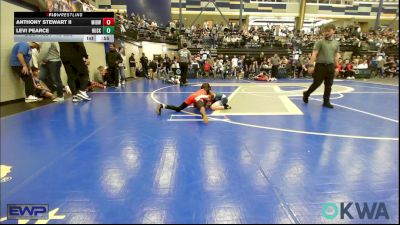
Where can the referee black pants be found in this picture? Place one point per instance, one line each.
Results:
(184, 66)
(322, 73)
(275, 70)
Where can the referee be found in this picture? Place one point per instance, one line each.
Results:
(184, 60)
(326, 55)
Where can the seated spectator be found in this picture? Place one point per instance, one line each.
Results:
(175, 64)
(40, 91)
(362, 64)
(264, 66)
(391, 70)
(340, 67)
(102, 76)
(195, 67)
(239, 73)
(284, 61)
(355, 63)
(349, 72)
(227, 69)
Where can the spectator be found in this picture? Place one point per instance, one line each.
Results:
(121, 66)
(113, 59)
(103, 76)
(381, 63)
(21, 55)
(50, 68)
(152, 69)
(341, 68)
(284, 61)
(132, 66)
(391, 70)
(145, 62)
(362, 64)
(348, 71)
(175, 64)
(40, 91)
(207, 68)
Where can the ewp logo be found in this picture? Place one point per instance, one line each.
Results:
(27, 212)
(330, 210)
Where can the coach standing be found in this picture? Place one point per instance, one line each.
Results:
(184, 60)
(326, 55)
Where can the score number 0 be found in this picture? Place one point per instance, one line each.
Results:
(108, 21)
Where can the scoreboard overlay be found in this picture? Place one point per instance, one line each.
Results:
(64, 26)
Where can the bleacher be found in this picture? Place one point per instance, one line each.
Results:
(213, 52)
(251, 52)
(393, 52)
(144, 35)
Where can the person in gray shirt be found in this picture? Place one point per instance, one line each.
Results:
(326, 55)
(184, 57)
(276, 61)
(50, 68)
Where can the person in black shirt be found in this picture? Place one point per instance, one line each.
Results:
(356, 46)
(152, 69)
(113, 58)
(76, 60)
(145, 62)
(260, 59)
(132, 66)
(167, 63)
(247, 65)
